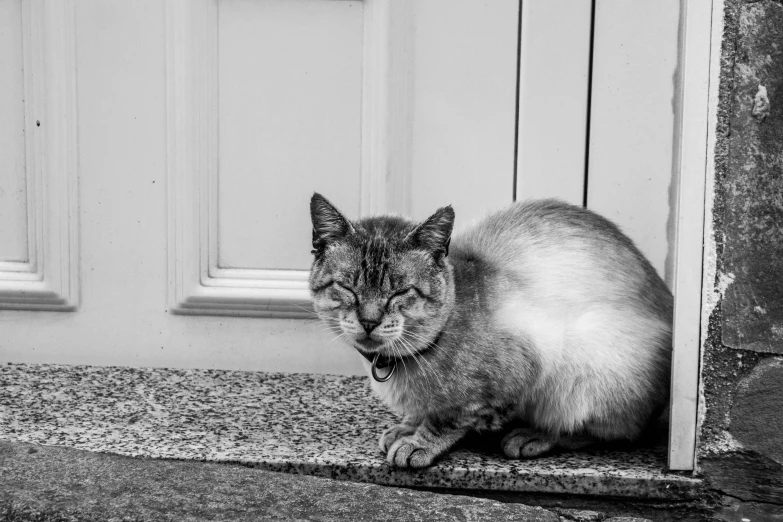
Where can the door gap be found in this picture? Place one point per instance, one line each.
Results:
(589, 103)
(516, 108)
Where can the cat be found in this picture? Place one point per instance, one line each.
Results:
(543, 319)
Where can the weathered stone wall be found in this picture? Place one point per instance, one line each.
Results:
(741, 437)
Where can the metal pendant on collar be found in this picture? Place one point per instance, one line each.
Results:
(392, 365)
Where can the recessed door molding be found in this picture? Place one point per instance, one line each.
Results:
(49, 278)
(197, 284)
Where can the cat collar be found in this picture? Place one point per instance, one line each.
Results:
(392, 363)
(382, 361)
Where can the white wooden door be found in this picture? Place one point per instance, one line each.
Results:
(157, 158)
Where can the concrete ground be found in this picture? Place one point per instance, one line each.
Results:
(44, 483)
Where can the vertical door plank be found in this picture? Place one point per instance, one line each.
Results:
(464, 102)
(554, 67)
(631, 168)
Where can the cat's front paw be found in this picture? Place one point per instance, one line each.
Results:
(391, 435)
(410, 452)
(526, 443)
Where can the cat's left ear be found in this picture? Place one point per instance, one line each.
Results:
(434, 234)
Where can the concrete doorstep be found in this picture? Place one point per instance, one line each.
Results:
(52, 484)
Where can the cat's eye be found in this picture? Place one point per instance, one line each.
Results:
(346, 289)
(399, 293)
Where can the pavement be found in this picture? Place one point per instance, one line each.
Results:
(54, 484)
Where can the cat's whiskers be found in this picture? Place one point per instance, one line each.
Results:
(402, 356)
(392, 346)
(413, 336)
(331, 327)
(423, 371)
(329, 319)
(339, 336)
(429, 372)
(408, 351)
(350, 328)
(305, 309)
(429, 343)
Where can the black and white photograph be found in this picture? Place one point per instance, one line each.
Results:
(391, 260)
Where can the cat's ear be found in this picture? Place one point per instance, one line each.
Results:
(328, 223)
(434, 234)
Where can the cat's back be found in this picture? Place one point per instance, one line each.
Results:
(542, 225)
(551, 250)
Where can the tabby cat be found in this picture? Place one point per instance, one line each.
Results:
(543, 320)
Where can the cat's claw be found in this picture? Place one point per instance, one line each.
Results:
(391, 435)
(409, 452)
(525, 443)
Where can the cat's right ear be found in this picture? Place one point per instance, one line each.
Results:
(328, 223)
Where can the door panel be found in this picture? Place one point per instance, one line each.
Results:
(290, 78)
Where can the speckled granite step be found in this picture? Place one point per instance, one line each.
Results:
(310, 424)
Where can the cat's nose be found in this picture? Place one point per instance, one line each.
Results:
(368, 325)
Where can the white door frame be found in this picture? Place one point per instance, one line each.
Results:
(702, 33)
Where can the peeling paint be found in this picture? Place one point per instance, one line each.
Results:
(710, 297)
(724, 280)
(760, 109)
(723, 442)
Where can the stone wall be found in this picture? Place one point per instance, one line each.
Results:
(741, 435)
